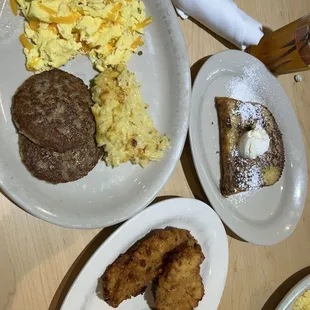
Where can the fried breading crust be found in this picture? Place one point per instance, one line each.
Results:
(132, 271)
(180, 286)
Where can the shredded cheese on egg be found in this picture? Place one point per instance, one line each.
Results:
(14, 7)
(24, 41)
(108, 31)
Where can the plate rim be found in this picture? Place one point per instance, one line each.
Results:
(143, 213)
(182, 134)
(298, 289)
(206, 181)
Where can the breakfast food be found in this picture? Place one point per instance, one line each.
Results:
(55, 31)
(55, 167)
(252, 150)
(132, 271)
(123, 125)
(108, 31)
(180, 285)
(52, 109)
(56, 128)
(302, 302)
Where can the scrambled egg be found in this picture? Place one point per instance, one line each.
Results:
(108, 31)
(124, 127)
(303, 302)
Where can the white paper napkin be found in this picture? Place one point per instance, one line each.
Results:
(224, 18)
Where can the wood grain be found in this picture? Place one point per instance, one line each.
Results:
(39, 261)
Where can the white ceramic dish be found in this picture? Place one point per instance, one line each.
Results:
(106, 196)
(190, 214)
(269, 215)
(288, 301)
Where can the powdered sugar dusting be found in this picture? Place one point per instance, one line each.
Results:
(249, 180)
(244, 87)
(234, 152)
(247, 177)
(248, 112)
(252, 179)
(239, 199)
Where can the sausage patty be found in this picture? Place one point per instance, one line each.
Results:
(55, 167)
(52, 109)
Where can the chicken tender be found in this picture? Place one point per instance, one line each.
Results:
(180, 285)
(132, 271)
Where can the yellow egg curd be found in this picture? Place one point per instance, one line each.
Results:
(302, 302)
(108, 31)
(123, 125)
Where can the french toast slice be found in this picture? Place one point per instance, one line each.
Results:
(239, 174)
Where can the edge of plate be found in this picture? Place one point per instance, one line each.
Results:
(294, 292)
(186, 78)
(136, 217)
(210, 194)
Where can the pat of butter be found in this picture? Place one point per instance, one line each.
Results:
(254, 143)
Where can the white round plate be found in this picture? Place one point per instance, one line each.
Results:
(269, 215)
(299, 289)
(106, 196)
(194, 215)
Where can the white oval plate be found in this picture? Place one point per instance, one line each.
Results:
(106, 196)
(289, 299)
(269, 215)
(194, 215)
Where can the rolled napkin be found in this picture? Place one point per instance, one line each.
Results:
(224, 18)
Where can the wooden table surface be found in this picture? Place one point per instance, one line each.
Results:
(39, 261)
